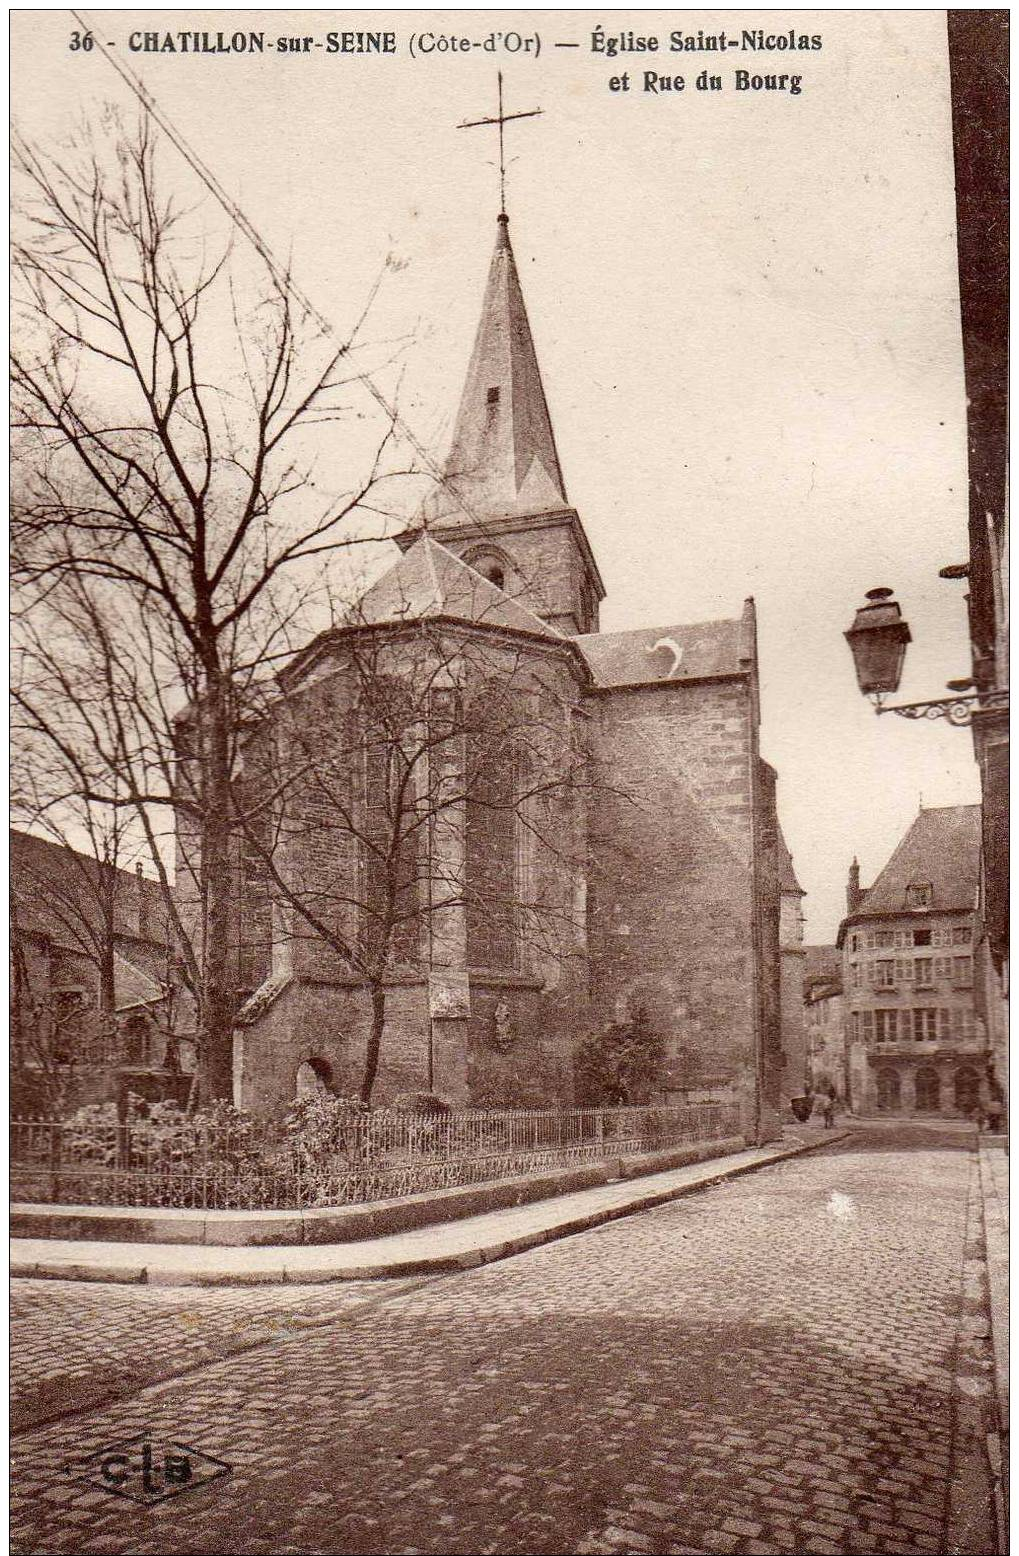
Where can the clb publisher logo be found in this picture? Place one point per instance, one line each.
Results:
(146, 1469)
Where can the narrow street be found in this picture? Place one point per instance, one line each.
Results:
(793, 1361)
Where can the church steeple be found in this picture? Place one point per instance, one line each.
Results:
(502, 458)
(500, 504)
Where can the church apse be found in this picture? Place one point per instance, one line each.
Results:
(588, 841)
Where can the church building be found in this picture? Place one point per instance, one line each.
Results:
(589, 834)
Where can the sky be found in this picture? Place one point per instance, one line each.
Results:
(744, 303)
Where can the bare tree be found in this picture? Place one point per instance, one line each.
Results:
(165, 513)
(415, 799)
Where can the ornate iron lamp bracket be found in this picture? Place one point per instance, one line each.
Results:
(957, 710)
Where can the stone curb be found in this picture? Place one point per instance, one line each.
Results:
(351, 1223)
(437, 1264)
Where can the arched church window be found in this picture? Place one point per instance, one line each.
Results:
(392, 750)
(491, 564)
(491, 786)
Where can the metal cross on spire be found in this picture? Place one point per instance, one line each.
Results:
(501, 119)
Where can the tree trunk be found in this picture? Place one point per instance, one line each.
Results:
(107, 979)
(217, 992)
(371, 1057)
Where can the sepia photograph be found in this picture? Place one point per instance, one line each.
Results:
(509, 950)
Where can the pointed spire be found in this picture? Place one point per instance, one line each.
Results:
(502, 459)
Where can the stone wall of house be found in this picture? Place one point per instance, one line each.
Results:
(794, 1034)
(917, 1044)
(674, 920)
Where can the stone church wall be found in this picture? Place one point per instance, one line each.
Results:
(672, 904)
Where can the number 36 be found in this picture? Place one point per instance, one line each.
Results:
(82, 41)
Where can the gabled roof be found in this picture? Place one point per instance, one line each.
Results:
(681, 653)
(502, 458)
(942, 850)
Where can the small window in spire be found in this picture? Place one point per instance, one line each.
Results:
(493, 396)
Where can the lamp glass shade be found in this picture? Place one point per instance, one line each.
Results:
(877, 640)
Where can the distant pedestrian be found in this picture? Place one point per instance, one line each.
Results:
(829, 1112)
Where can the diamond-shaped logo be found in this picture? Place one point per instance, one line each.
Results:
(148, 1469)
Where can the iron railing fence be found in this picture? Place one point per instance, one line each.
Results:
(360, 1157)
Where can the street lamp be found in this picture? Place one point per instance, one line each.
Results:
(877, 640)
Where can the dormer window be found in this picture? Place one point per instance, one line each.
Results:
(920, 894)
(494, 573)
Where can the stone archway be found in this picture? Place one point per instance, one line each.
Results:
(889, 1090)
(967, 1090)
(314, 1078)
(928, 1090)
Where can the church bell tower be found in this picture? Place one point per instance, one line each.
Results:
(501, 502)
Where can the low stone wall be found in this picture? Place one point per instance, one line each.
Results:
(353, 1223)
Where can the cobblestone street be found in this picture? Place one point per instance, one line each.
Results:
(795, 1361)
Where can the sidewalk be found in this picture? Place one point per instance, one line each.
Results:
(457, 1245)
(994, 1188)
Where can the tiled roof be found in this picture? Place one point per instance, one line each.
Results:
(680, 653)
(55, 890)
(822, 961)
(942, 850)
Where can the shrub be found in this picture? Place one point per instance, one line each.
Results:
(619, 1066)
(420, 1102)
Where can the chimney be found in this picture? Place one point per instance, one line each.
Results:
(853, 892)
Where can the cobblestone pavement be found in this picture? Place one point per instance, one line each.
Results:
(790, 1362)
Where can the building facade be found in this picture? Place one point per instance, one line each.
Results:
(978, 46)
(792, 955)
(825, 1022)
(645, 889)
(916, 1043)
(90, 975)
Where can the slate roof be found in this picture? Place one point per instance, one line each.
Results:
(502, 458)
(707, 648)
(821, 961)
(428, 580)
(941, 848)
(50, 883)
